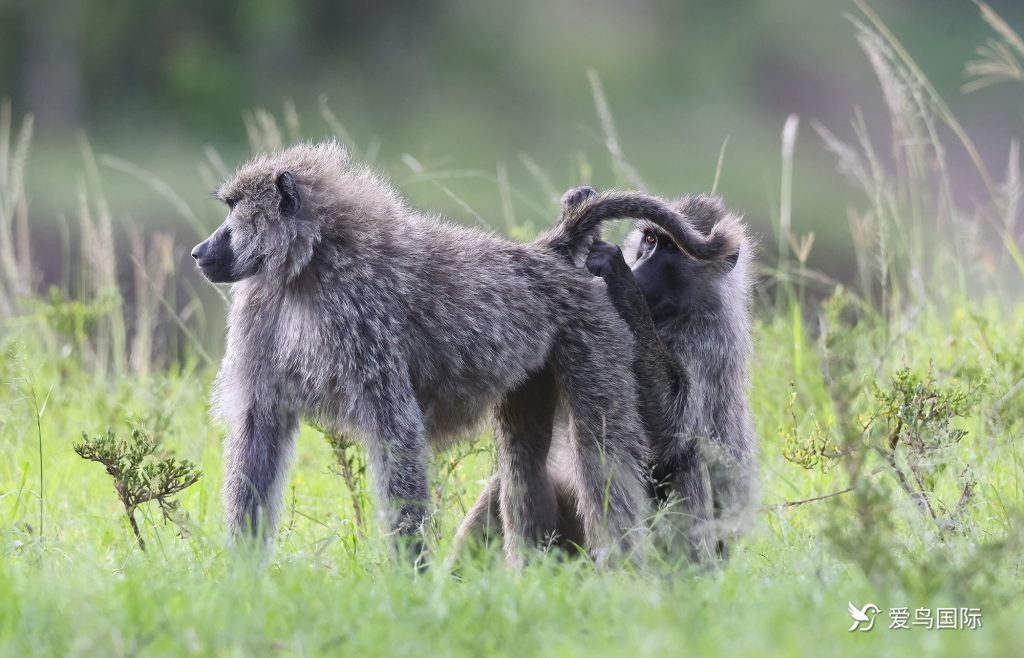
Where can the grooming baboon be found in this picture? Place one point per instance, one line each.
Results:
(352, 309)
(691, 330)
(699, 314)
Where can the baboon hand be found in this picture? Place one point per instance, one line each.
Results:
(605, 260)
(576, 196)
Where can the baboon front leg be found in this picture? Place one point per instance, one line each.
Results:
(256, 458)
(524, 422)
(682, 480)
(397, 448)
(734, 491)
(658, 371)
(662, 382)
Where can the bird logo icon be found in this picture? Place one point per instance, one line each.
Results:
(860, 616)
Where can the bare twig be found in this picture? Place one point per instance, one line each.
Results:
(814, 499)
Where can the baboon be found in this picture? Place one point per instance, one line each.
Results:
(697, 331)
(691, 329)
(363, 315)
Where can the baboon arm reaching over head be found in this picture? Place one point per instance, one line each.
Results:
(660, 375)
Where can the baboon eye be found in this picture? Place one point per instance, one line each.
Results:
(650, 238)
(231, 203)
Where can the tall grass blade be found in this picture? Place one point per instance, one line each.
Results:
(611, 135)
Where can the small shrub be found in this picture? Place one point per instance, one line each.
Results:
(897, 439)
(351, 465)
(912, 429)
(142, 472)
(810, 450)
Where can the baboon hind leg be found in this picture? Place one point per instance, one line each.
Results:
(482, 523)
(524, 422)
(606, 441)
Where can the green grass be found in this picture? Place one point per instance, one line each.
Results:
(84, 587)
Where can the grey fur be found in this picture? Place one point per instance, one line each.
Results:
(698, 423)
(353, 310)
(710, 334)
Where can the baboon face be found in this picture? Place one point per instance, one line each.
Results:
(672, 281)
(263, 229)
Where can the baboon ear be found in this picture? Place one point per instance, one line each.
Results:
(730, 261)
(290, 201)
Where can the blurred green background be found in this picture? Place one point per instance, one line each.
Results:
(473, 87)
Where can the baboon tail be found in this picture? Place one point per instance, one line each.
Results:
(584, 210)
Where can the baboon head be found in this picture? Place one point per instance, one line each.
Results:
(263, 219)
(279, 208)
(673, 282)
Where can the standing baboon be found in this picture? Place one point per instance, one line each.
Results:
(692, 319)
(691, 330)
(353, 310)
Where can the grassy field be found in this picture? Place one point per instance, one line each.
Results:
(888, 410)
(76, 583)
